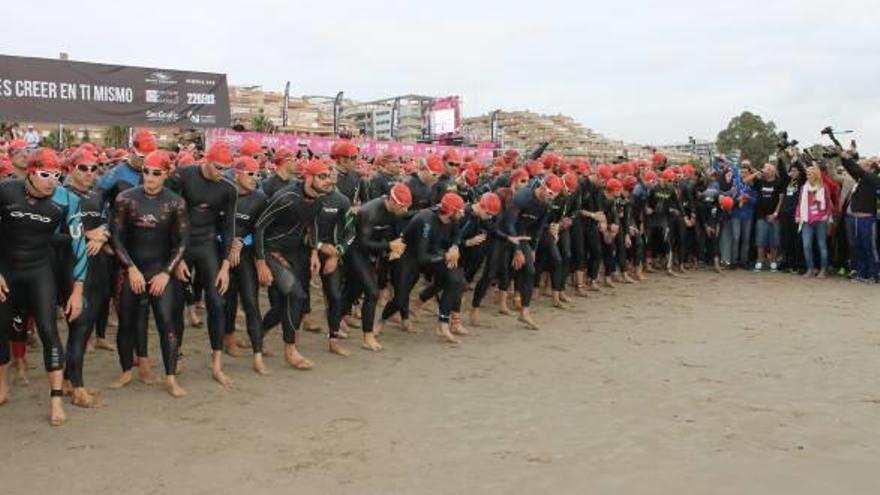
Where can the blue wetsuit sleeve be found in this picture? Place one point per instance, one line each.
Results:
(75, 227)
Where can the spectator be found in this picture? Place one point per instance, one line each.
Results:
(32, 138)
(812, 214)
(861, 216)
(769, 184)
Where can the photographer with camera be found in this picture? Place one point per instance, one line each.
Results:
(861, 215)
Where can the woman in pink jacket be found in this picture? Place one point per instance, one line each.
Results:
(812, 214)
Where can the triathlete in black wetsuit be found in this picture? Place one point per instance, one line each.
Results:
(210, 201)
(150, 235)
(332, 232)
(282, 254)
(432, 237)
(31, 211)
(526, 218)
(126, 173)
(661, 205)
(377, 237)
(285, 165)
(349, 182)
(447, 182)
(243, 284)
(497, 266)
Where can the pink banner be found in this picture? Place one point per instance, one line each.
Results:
(323, 145)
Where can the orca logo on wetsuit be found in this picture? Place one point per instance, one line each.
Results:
(242, 216)
(32, 216)
(147, 220)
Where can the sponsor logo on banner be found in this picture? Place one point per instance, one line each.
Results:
(159, 77)
(196, 118)
(162, 96)
(201, 82)
(162, 116)
(199, 99)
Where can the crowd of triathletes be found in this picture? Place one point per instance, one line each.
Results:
(142, 231)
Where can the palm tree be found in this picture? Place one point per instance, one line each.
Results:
(261, 123)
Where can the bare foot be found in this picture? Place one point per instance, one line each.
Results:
(504, 310)
(408, 327)
(378, 327)
(444, 333)
(82, 398)
(581, 291)
(564, 297)
(370, 343)
(104, 344)
(295, 359)
(21, 377)
(627, 279)
(90, 346)
(230, 346)
(242, 344)
(351, 322)
(4, 391)
(194, 319)
(526, 318)
(311, 326)
(593, 286)
(342, 334)
(475, 317)
(671, 273)
(557, 301)
(456, 326)
(146, 376)
(459, 330)
(56, 412)
(173, 388)
(123, 380)
(221, 378)
(335, 347)
(260, 366)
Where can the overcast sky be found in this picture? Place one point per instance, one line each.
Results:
(645, 72)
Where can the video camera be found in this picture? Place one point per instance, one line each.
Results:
(784, 143)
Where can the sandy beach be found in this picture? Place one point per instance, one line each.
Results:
(734, 383)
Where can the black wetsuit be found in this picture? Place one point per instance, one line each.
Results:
(353, 187)
(587, 242)
(499, 248)
(375, 228)
(663, 201)
(709, 214)
(333, 226)
(121, 177)
(243, 283)
(427, 240)
(526, 216)
(27, 226)
(380, 184)
(279, 238)
(150, 232)
(609, 208)
(274, 184)
(207, 203)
